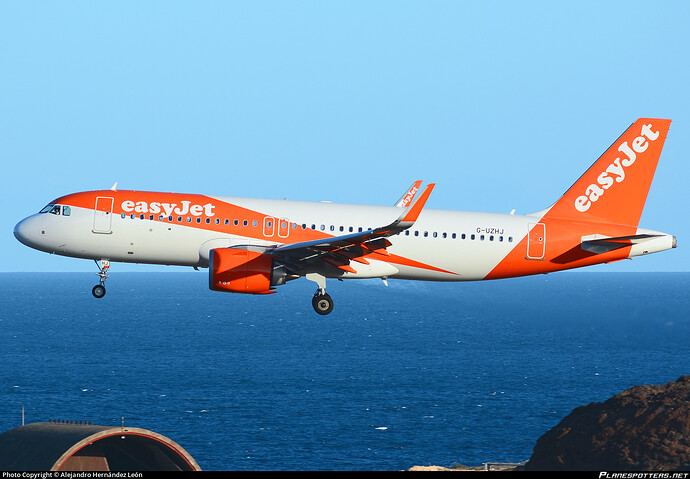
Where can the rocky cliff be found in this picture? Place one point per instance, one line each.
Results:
(641, 429)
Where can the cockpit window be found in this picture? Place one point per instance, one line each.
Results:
(57, 210)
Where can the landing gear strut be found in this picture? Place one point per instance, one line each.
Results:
(322, 302)
(98, 291)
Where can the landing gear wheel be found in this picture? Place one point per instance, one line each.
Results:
(322, 303)
(98, 291)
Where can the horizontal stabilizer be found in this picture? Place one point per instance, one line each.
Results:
(599, 244)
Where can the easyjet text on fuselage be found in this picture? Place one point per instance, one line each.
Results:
(168, 209)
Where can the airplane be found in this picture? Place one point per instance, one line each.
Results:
(251, 246)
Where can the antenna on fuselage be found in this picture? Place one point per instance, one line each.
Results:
(114, 187)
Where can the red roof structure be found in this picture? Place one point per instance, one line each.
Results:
(72, 446)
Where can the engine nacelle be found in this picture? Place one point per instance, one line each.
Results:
(243, 270)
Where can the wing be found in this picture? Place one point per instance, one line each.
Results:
(338, 251)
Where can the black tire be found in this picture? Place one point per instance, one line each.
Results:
(322, 303)
(98, 291)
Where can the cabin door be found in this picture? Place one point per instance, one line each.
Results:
(536, 241)
(103, 215)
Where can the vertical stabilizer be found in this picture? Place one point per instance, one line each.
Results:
(614, 189)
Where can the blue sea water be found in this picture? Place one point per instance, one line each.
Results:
(410, 374)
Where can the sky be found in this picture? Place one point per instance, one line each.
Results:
(502, 104)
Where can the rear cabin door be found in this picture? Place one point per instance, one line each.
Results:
(536, 241)
(103, 215)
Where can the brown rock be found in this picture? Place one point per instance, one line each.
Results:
(641, 429)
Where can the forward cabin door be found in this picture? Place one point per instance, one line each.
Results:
(103, 215)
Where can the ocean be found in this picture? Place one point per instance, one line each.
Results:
(408, 374)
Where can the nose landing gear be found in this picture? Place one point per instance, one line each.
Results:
(98, 291)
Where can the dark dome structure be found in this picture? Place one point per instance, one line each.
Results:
(71, 446)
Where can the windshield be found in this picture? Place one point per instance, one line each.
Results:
(57, 210)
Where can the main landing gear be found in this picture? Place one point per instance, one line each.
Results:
(98, 291)
(321, 302)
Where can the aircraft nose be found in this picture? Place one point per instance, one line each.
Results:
(25, 232)
(20, 231)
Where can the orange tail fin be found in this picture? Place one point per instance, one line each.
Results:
(614, 189)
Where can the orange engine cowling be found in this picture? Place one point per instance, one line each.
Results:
(240, 270)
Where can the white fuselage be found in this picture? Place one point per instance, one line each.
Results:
(440, 246)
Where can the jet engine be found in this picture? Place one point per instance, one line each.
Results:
(245, 269)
